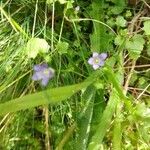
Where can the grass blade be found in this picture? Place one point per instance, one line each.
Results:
(85, 119)
(52, 96)
(117, 132)
(104, 123)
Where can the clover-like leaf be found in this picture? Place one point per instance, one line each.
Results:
(36, 46)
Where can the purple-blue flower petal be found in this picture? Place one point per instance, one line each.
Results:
(45, 81)
(42, 73)
(103, 56)
(95, 54)
(90, 61)
(97, 60)
(37, 76)
(101, 63)
(40, 67)
(95, 66)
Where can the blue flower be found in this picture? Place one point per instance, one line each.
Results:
(97, 60)
(42, 73)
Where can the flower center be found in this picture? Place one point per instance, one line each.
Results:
(46, 72)
(96, 60)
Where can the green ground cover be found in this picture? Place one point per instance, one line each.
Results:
(74, 74)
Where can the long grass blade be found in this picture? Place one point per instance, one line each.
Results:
(84, 121)
(105, 122)
(52, 96)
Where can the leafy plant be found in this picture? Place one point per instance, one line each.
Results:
(99, 95)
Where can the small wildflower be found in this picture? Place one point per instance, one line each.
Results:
(97, 60)
(42, 73)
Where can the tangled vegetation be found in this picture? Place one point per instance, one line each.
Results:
(74, 74)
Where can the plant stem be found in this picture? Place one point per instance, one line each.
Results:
(47, 135)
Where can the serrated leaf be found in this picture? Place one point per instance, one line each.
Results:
(120, 21)
(146, 27)
(62, 47)
(36, 46)
(135, 46)
(116, 10)
(118, 7)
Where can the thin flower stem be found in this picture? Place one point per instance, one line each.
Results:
(47, 132)
(47, 136)
(52, 35)
(89, 19)
(129, 77)
(45, 21)
(36, 8)
(61, 29)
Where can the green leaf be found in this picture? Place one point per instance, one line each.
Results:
(120, 21)
(142, 116)
(128, 14)
(142, 111)
(116, 84)
(99, 107)
(118, 7)
(84, 120)
(105, 122)
(148, 49)
(118, 2)
(62, 1)
(98, 37)
(69, 4)
(62, 47)
(135, 46)
(36, 46)
(119, 40)
(116, 10)
(146, 27)
(51, 96)
(117, 132)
